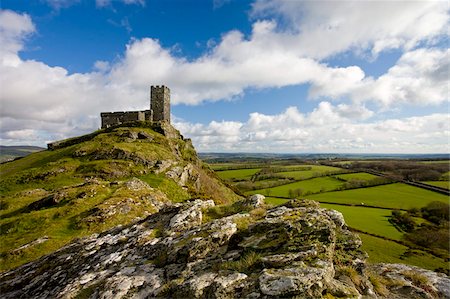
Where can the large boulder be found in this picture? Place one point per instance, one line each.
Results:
(288, 252)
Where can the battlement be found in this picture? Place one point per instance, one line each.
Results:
(159, 110)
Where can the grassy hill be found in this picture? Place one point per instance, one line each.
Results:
(95, 182)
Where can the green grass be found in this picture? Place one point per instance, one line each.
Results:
(275, 201)
(371, 220)
(442, 184)
(313, 185)
(318, 168)
(357, 176)
(237, 174)
(393, 196)
(385, 251)
(315, 170)
(86, 208)
(299, 175)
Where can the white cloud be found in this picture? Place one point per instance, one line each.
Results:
(323, 28)
(49, 100)
(323, 130)
(419, 77)
(14, 28)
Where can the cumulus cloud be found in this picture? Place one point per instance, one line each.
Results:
(419, 77)
(322, 130)
(323, 28)
(56, 104)
(14, 28)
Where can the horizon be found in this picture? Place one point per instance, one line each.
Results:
(290, 153)
(253, 76)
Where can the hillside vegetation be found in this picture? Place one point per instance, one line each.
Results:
(91, 183)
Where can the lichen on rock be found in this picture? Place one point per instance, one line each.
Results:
(289, 251)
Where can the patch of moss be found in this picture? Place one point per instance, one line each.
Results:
(379, 283)
(248, 263)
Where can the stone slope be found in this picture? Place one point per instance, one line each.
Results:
(297, 250)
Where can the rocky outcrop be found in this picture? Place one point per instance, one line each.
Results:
(405, 281)
(294, 250)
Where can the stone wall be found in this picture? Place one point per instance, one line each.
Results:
(114, 118)
(160, 103)
(159, 110)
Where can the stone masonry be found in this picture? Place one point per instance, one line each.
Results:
(160, 103)
(159, 110)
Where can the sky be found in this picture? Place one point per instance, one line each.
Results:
(268, 76)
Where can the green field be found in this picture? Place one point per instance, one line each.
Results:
(393, 196)
(275, 200)
(237, 174)
(299, 175)
(317, 168)
(313, 185)
(357, 176)
(385, 251)
(371, 220)
(442, 184)
(365, 209)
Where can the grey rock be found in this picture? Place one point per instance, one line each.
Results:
(256, 200)
(136, 184)
(439, 283)
(288, 253)
(189, 216)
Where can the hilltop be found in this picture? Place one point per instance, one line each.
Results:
(91, 183)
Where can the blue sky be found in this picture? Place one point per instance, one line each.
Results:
(245, 76)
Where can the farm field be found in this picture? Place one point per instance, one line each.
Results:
(393, 196)
(299, 175)
(371, 220)
(275, 200)
(356, 176)
(237, 174)
(316, 168)
(385, 251)
(442, 184)
(312, 186)
(365, 209)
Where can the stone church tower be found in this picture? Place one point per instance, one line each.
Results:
(159, 110)
(160, 103)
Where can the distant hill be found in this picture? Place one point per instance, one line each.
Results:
(230, 157)
(9, 153)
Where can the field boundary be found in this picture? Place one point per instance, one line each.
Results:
(415, 184)
(406, 244)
